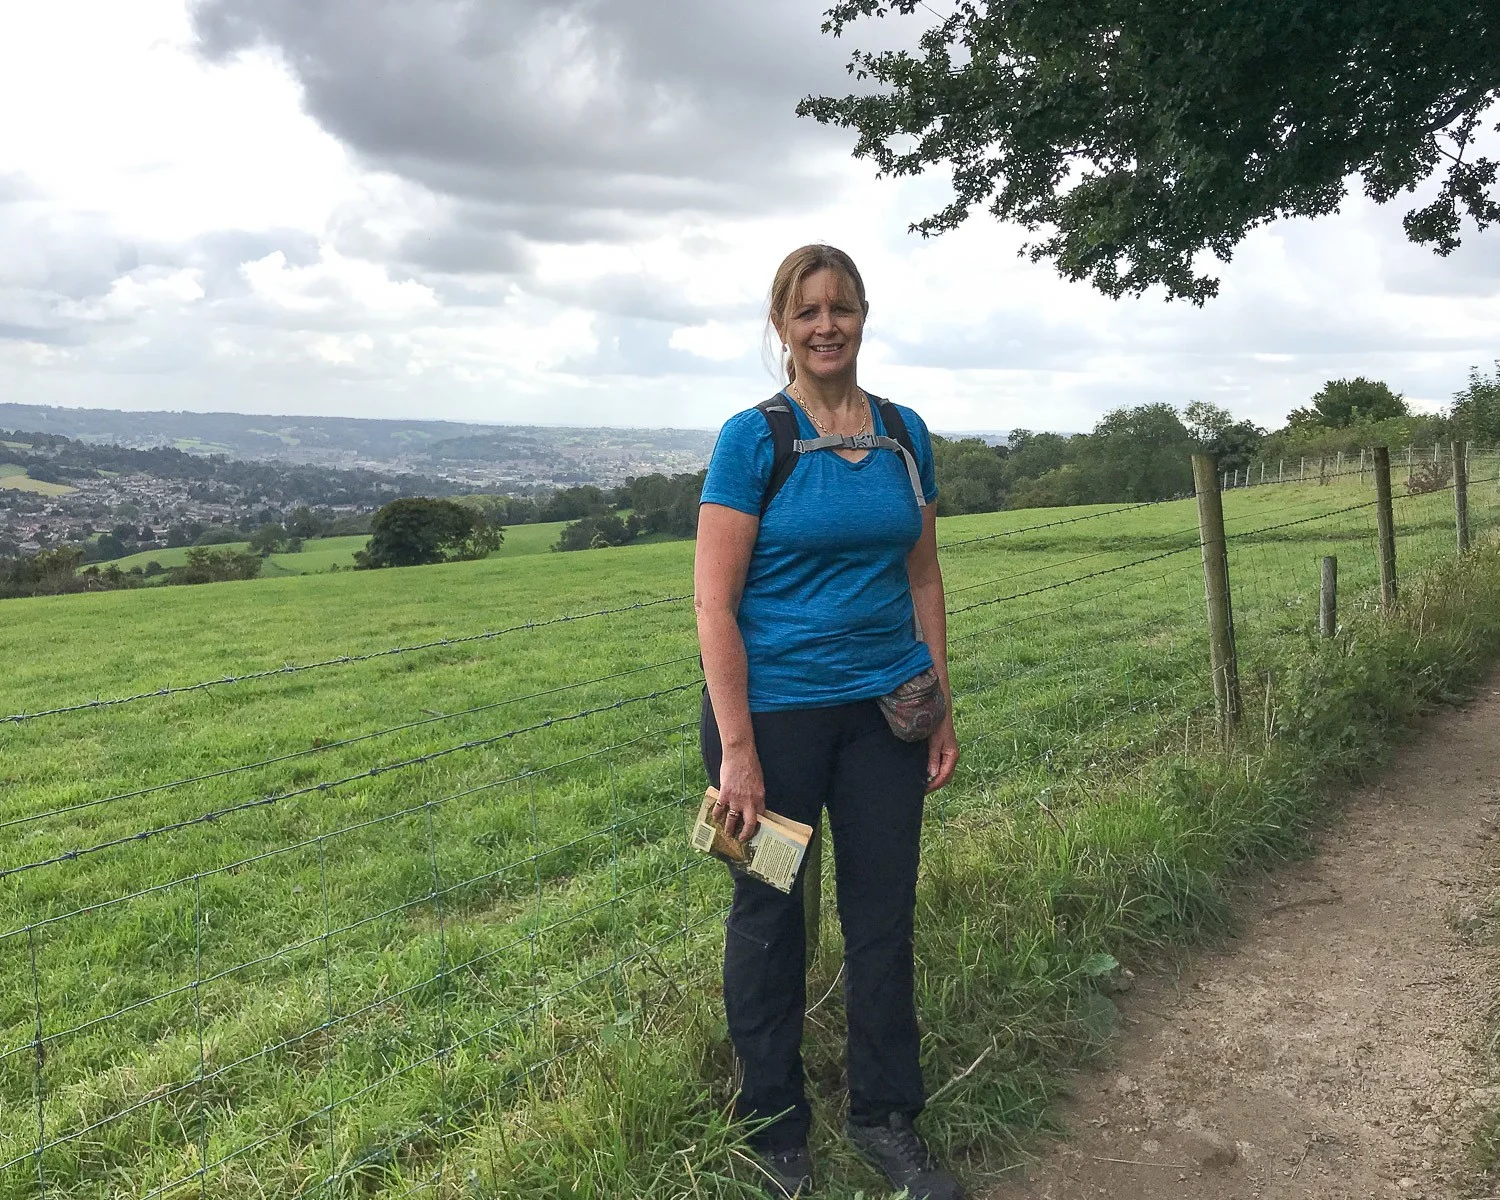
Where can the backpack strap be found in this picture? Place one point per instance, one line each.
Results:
(783, 423)
(787, 447)
(895, 426)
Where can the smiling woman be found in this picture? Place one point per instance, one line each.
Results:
(819, 601)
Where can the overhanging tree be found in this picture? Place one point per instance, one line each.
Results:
(1132, 136)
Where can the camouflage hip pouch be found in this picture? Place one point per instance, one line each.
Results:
(915, 708)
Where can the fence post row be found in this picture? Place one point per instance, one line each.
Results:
(1385, 521)
(1328, 597)
(1216, 591)
(1461, 493)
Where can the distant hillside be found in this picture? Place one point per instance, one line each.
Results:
(495, 455)
(237, 435)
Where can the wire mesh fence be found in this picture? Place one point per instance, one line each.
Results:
(307, 933)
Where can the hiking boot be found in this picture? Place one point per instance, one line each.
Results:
(895, 1150)
(790, 1171)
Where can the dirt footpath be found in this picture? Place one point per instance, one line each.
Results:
(1337, 1048)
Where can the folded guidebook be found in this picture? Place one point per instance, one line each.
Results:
(773, 855)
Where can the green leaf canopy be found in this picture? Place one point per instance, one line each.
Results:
(1133, 136)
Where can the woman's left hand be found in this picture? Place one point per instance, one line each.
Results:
(942, 754)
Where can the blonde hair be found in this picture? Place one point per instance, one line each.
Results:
(786, 288)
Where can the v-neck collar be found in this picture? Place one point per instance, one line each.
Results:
(805, 428)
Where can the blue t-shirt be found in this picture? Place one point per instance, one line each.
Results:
(826, 614)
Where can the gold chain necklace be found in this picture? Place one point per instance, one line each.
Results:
(864, 424)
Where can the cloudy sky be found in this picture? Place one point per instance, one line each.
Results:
(568, 212)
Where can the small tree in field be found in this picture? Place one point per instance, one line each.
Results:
(268, 539)
(419, 530)
(1342, 402)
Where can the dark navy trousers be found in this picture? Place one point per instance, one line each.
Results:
(847, 760)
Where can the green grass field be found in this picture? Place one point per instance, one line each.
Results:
(449, 931)
(15, 477)
(319, 554)
(316, 555)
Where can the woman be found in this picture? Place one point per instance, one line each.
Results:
(805, 619)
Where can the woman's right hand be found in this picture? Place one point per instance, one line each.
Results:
(742, 795)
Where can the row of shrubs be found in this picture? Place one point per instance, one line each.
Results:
(57, 572)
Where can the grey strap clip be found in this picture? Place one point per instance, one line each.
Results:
(866, 441)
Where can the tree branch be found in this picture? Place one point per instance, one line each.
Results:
(1454, 111)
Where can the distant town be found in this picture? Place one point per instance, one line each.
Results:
(118, 482)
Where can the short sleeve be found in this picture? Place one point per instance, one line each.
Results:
(921, 444)
(740, 466)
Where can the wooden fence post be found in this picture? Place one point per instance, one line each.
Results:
(1302, 475)
(1461, 493)
(1280, 469)
(1385, 521)
(1328, 598)
(1216, 592)
(1361, 465)
(1322, 469)
(812, 891)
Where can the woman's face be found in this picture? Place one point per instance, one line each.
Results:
(824, 327)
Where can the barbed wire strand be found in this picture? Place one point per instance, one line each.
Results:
(438, 643)
(1062, 608)
(158, 1095)
(31, 818)
(1005, 533)
(355, 925)
(338, 661)
(293, 847)
(276, 797)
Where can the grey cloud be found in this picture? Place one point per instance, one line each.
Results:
(1472, 270)
(15, 186)
(557, 112)
(71, 257)
(455, 250)
(630, 346)
(219, 255)
(639, 296)
(48, 335)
